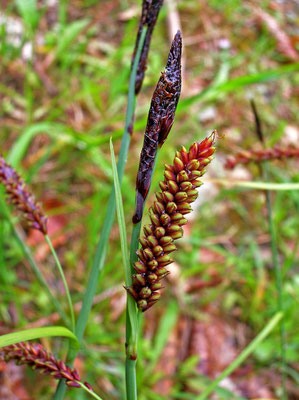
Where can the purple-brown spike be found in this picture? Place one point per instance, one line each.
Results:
(257, 156)
(38, 358)
(159, 122)
(167, 216)
(149, 16)
(21, 198)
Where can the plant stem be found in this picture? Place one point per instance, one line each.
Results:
(278, 282)
(63, 281)
(101, 250)
(131, 342)
(38, 274)
(242, 357)
(92, 393)
(131, 383)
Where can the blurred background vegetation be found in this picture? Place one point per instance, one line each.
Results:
(64, 68)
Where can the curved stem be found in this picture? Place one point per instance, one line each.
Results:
(63, 281)
(278, 283)
(91, 392)
(242, 356)
(131, 341)
(37, 272)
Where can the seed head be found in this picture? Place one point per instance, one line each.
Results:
(257, 156)
(36, 357)
(167, 214)
(19, 195)
(149, 16)
(159, 122)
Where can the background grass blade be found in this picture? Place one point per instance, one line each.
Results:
(242, 357)
(213, 91)
(36, 333)
(27, 253)
(29, 12)
(21, 145)
(124, 244)
(257, 185)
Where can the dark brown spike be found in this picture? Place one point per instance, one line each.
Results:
(149, 16)
(258, 125)
(160, 119)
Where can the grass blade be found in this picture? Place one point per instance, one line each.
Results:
(124, 244)
(257, 185)
(66, 288)
(36, 333)
(214, 90)
(27, 253)
(29, 12)
(242, 357)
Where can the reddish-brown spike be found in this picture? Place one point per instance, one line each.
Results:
(20, 196)
(36, 357)
(178, 190)
(257, 156)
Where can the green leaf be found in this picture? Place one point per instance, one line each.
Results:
(242, 357)
(258, 185)
(56, 131)
(21, 145)
(29, 12)
(36, 333)
(124, 244)
(168, 321)
(69, 35)
(214, 90)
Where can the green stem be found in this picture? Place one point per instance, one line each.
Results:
(38, 274)
(242, 357)
(131, 385)
(134, 244)
(278, 282)
(101, 250)
(92, 393)
(63, 280)
(131, 342)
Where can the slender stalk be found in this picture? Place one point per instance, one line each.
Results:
(38, 274)
(92, 393)
(48, 240)
(101, 250)
(131, 383)
(131, 343)
(278, 282)
(242, 357)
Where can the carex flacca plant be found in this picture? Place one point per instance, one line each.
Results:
(150, 251)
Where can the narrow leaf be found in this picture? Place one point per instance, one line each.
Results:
(124, 244)
(69, 35)
(36, 333)
(257, 185)
(242, 357)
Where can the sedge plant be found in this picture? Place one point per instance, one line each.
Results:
(147, 261)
